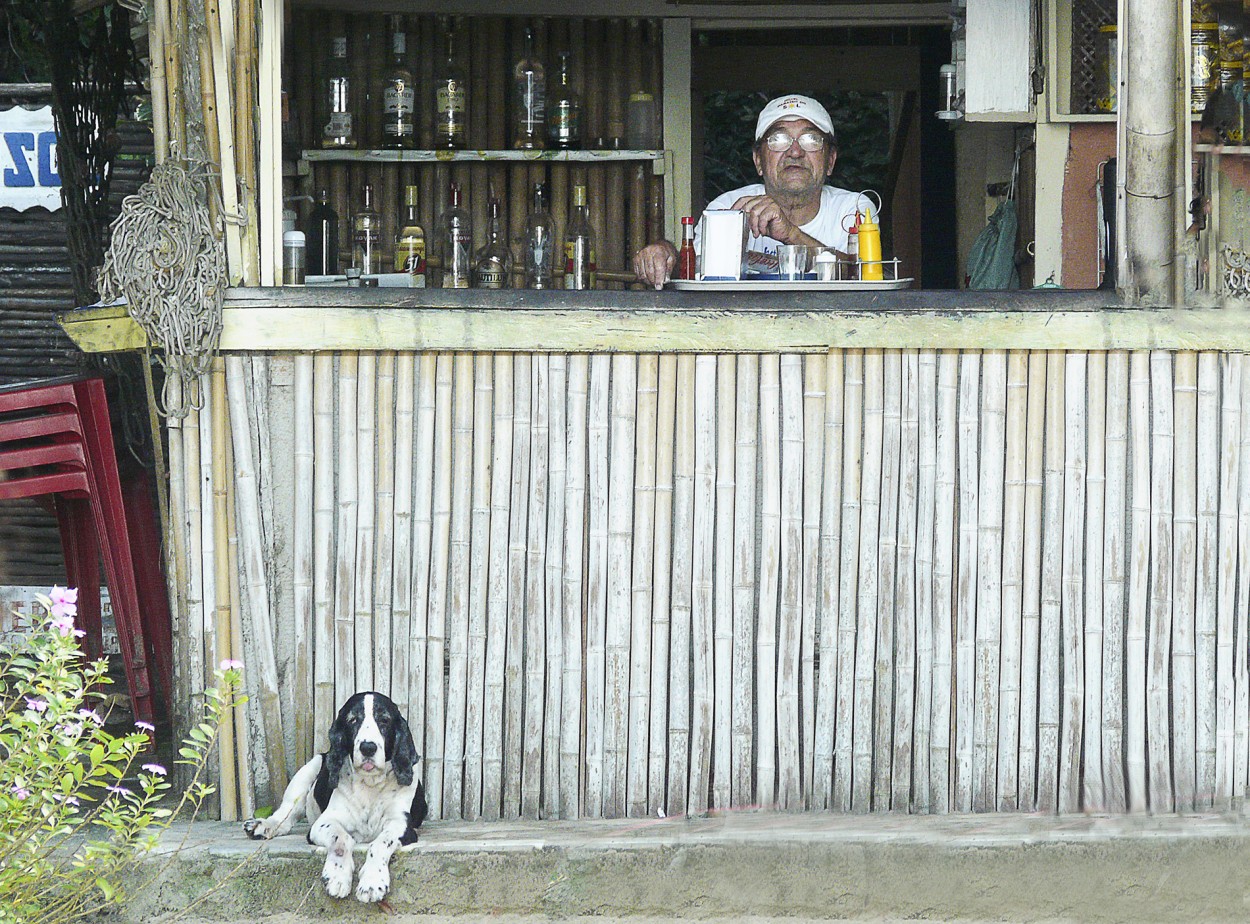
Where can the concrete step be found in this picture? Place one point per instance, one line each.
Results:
(734, 865)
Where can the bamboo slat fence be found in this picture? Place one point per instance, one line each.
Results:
(607, 585)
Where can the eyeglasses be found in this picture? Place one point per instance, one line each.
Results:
(780, 141)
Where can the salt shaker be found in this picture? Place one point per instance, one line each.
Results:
(294, 258)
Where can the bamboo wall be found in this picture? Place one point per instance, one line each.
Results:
(611, 58)
(611, 585)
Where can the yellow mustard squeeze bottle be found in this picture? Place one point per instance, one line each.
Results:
(870, 266)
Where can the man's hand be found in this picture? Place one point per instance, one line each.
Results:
(654, 264)
(766, 219)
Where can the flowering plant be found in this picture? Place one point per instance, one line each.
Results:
(76, 813)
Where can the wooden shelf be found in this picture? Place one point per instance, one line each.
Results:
(657, 158)
(1205, 148)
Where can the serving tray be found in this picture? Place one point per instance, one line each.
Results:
(788, 285)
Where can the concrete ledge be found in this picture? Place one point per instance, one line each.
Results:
(1000, 867)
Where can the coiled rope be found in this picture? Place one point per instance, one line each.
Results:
(167, 261)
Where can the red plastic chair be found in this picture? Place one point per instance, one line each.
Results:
(56, 441)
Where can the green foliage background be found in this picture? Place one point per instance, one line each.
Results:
(861, 120)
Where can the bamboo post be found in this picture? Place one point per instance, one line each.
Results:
(966, 579)
(553, 591)
(1073, 594)
(1139, 580)
(246, 726)
(927, 402)
(253, 564)
(459, 573)
(944, 538)
(1031, 594)
(571, 726)
(347, 505)
(597, 583)
(1184, 579)
(661, 581)
(1114, 599)
(1231, 427)
(989, 584)
(324, 703)
(680, 627)
(497, 604)
(1241, 669)
(479, 589)
(207, 565)
(742, 667)
(1158, 706)
(623, 422)
(766, 693)
(1207, 437)
(401, 584)
(813, 483)
(641, 597)
(723, 592)
(302, 541)
(1093, 793)
(826, 598)
(366, 502)
(228, 748)
(1048, 712)
(790, 609)
(531, 753)
(1008, 731)
(848, 586)
(424, 466)
(869, 571)
(437, 615)
(904, 595)
(887, 582)
(701, 618)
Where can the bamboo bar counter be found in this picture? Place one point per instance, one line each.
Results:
(622, 553)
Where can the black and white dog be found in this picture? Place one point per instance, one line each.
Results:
(362, 789)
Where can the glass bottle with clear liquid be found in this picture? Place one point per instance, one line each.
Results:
(337, 128)
(367, 236)
(398, 93)
(323, 237)
(457, 243)
(451, 100)
(529, 97)
(579, 245)
(540, 242)
(492, 267)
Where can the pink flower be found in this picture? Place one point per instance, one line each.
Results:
(36, 705)
(156, 769)
(92, 715)
(64, 624)
(230, 664)
(145, 726)
(64, 602)
(20, 792)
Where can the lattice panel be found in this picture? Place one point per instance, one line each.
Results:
(1087, 16)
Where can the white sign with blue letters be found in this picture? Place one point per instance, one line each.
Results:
(28, 166)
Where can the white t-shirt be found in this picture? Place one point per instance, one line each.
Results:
(828, 227)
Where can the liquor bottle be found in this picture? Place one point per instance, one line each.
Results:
(410, 244)
(686, 256)
(457, 243)
(337, 129)
(529, 97)
(451, 101)
(540, 242)
(579, 245)
(564, 111)
(323, 238)
(492, 267)
(367, 236)
(398, 93)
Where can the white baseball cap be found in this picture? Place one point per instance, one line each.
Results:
(788, 109)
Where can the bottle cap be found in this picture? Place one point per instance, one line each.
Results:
(292, 238)
(687, 220)
(642, 96)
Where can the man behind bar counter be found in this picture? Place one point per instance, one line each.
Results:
(794, 151)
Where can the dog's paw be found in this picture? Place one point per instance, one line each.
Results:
(374, 883)
(257, 829)
(337, 876)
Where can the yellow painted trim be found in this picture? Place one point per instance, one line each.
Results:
(740, 330)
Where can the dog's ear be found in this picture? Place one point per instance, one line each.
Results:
(405, 757)
(339, 749)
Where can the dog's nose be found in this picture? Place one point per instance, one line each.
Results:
(368, 748)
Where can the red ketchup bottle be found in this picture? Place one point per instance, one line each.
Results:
(685, 256)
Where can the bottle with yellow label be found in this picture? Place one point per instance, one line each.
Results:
(870, 267)
(410, 244)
